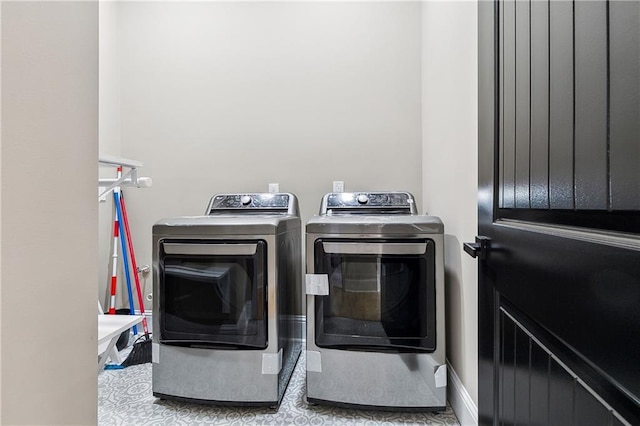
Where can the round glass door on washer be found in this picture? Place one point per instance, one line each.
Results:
(375, 304)
(228, 301)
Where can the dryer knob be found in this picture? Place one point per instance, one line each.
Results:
(363, 199)
(245, 200)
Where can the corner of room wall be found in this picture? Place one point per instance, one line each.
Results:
(1, 215)
(109, 135)
(449, 167)
(109, 81)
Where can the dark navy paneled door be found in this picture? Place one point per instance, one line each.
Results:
(559, 210)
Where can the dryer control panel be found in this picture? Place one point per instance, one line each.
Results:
(252, 203)
(368, 203)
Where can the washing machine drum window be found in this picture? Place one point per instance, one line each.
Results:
(376, 300)
(214, 300)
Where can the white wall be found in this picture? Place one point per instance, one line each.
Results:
(48, 215)
(224, 97)
(449, 168)
(230, 96)
(344, 91)
(108, 136)
(0, 212)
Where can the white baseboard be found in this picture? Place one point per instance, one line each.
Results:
(460, 400)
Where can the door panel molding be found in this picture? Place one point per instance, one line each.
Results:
(630, 242)
(519, 354)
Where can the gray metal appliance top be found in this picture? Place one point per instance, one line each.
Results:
(254, 203)
(237, 214)
(380, 213)
(368, 203)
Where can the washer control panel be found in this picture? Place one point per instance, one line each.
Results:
(251, 203)
(368, 202)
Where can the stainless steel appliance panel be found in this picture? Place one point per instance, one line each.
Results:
(213, 375)
(368, 378)
(372, 377)
(234, 374)
(401, 380)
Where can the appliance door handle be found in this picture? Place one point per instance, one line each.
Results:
(374, 248)
(210, 249)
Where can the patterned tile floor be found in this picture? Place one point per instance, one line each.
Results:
(125, 398)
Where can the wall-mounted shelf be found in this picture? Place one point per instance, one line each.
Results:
(129, 176)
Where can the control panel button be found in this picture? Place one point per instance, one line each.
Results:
(363, 199)
(245, 200)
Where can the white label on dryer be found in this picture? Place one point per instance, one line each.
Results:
(272, 363)
(314, 361)
(155, 352)
(317, 284)
(441, 376)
